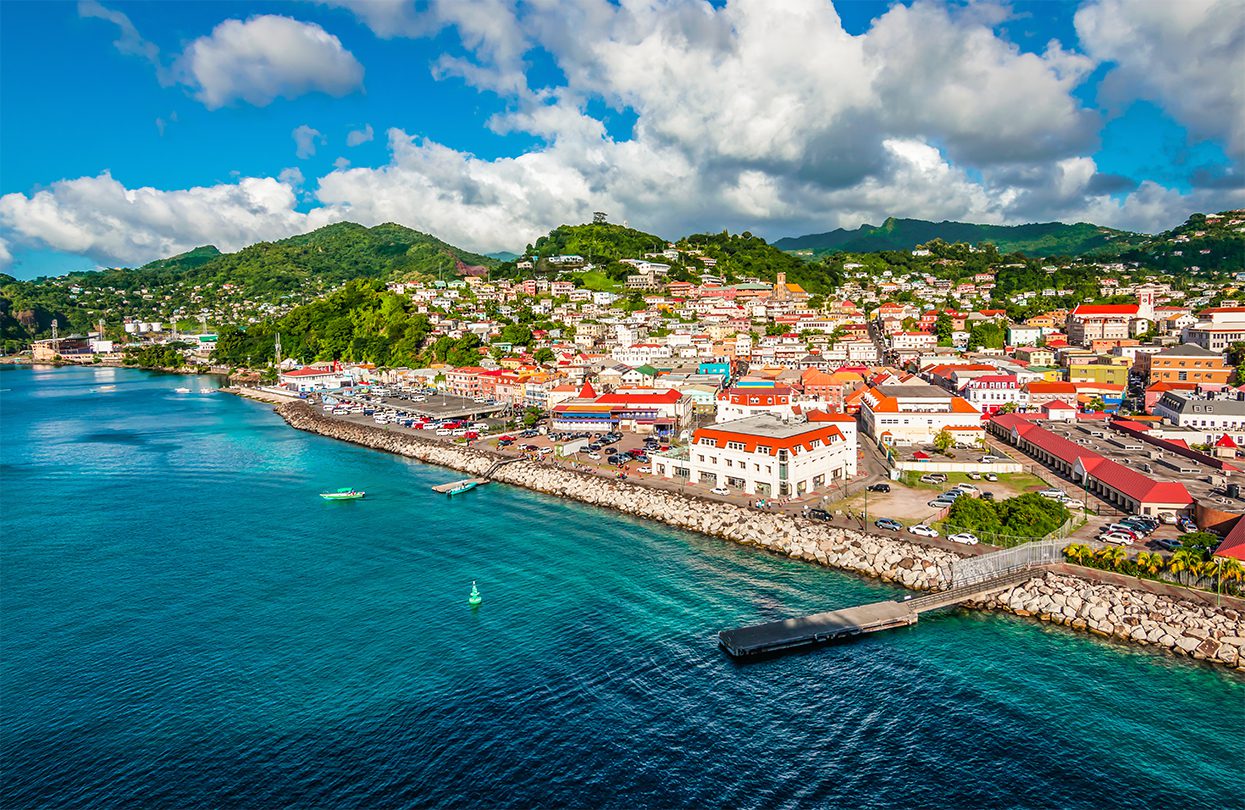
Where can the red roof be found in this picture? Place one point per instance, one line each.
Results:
(1234, 544)
(1225, 441)
(308, 372)
(1106, 309)
(587, 391)
(623, 397)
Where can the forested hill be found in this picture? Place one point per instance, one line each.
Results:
(1037, 239)
(1208, 242)
(286, 272)
(597, 242)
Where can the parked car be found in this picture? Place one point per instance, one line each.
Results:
(594, 456)
(1169, 543)
(1168, 518)
(1053, 494)
(940, 503)
(987, 496)
(890, 524)
(969, 488)
(879, 487)
(975, 476)
(990, 459)
(964, 538)
(819, 514)
(1185, 525)
(1117, 538)
(921, 530)
(444, 431)
(934, 478)
(991, 477)
(720, 491)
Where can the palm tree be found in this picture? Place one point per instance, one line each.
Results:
(1112, 556)
(1076, 553)
(1150, 563)
(1185, 561)
(1231, 570)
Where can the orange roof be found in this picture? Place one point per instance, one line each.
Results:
(751, 441)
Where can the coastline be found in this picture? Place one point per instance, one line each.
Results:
(1174, 619)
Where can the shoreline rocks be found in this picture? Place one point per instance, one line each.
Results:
(1200, 631)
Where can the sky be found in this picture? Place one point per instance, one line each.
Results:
(135, 131)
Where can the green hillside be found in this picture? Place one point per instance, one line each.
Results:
(284, 272)
(744, 255)
(596, 242)
(1037, 239)
(1205, 242)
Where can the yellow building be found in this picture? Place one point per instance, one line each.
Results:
(1098, 372)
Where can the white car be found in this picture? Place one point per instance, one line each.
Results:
(991, 477)
(921, 530)
(444, 431)
(966, 488)
(720, 491)
(965, 538)
(990, 459)
(1053, 494)
(594, 456)
(975, 476)
(1168, 518)
(1116, 538)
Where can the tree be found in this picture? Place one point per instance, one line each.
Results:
(1150, 563)
(944, 329)
(1111, 556)
(986, 334)
(543, 355)
(974, 515)
(1184, 562)
(1095, 404)
(1200, 543)
(1077, 553)
(944, 441)
(531, 416)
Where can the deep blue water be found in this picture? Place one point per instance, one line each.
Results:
(184, 623)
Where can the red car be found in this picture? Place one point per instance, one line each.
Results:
(471, 434)
(452, 425)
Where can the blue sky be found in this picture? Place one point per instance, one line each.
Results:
(135, 130)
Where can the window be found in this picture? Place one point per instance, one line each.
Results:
(763, 449)
(734, 445)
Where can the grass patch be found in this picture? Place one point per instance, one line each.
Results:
(599, 282)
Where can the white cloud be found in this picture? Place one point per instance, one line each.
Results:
(6, 256)
(1188, 56)
(341, 163)
(101, 218)
(306, 139)
(264, 58)
(359, 136)
(292, 177)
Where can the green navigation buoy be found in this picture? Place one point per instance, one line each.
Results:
(475, 598)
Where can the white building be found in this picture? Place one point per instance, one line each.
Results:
(766, 455)
(916, 412)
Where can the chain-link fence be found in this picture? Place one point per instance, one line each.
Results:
(978, 569)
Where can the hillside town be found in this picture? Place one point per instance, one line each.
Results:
(765, 392)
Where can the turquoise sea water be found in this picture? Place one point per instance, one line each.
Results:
(183, 622)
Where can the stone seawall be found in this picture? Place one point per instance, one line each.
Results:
(1182, 626)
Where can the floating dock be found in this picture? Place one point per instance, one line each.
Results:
(456, 487)
(819, 628)
(790, 634)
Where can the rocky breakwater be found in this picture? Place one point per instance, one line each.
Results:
(890, 559)
(1185, 627)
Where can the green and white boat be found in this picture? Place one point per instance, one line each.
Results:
(343, 494)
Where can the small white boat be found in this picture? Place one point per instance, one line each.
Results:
(182, 390)
(206, 390)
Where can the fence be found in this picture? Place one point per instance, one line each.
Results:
(988, 566)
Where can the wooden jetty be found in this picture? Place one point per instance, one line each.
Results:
(456, 487)
(789, 634)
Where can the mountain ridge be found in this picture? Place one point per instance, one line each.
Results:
(1032, 239)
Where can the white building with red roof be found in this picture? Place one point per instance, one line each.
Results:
(765, 455)
(310, 378)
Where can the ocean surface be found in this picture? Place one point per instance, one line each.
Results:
(184, 623)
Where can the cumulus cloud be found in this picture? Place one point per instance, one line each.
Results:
(101, 218)
(1187, 56)
(306, 139)
(264, 58)
(6, 256)
(358, 136)
(744, 119)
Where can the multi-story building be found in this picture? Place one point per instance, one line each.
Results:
(1214, 417)
(750, 400)
(990, 394)
(914, 413)
(1217, 328)
(1185, 363)
(464, 381)
(766, 455)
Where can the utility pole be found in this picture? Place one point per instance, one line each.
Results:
(56, 337)
(277, 349)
